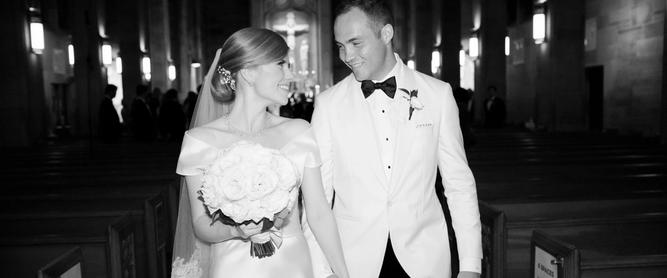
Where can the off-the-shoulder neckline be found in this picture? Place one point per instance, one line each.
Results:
(287, 143)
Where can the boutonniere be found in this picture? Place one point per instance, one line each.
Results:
(412, 98)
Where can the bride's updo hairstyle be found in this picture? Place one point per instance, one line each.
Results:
(245, 48)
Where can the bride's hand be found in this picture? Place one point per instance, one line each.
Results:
(245, 231)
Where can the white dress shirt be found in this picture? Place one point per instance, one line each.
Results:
(380, 107)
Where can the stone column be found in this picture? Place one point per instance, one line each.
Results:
(400, 11)
(22, 101)
(158, 43)
(560, 97)
(663, 106)
(424, 36)
(567, 64)
(88, 78)
(411, 45)
(126, 34)
(491, 65)
(325, 41)
(184, 58)
(451, 41)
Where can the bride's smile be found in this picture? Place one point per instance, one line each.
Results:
(273, 81)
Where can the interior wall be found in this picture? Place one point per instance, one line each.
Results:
(628, 42)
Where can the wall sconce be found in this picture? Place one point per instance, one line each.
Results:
(462, 57)
(107, 54)
(36, 35)
(119, 65)
(411, 64)
(539, 24)
(146, 67)
(171, 72)
(70, 54)
(507, 46)
(195, 64)
(435, 61)
(473, 46)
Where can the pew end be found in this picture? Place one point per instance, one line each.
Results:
(70, 265)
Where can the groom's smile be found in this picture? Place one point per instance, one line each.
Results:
(361, 46)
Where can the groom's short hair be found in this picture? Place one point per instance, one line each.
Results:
(377, 10)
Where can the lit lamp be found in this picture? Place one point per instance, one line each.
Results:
(539, 25)
(171, 72)
(119, 65)
(70, 54)
(507, 46)
(36, 35)
(435, 61)
(462, 57)
(195, 64)
(146, 67)
(107, 57)
(473, 46)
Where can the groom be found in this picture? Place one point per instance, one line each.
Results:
(383, 131)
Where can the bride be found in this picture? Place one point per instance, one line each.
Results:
(249, 74)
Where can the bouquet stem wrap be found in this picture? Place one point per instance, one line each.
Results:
(265, 244)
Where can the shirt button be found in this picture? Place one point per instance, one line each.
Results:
(386, 139)
(382, 110)
(389, 167)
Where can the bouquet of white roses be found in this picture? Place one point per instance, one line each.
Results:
(250, 183)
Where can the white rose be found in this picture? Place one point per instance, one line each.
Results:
(276, 201)
(233, 185)
(286, 172)
(236, 212)
(211, 192)
(263, 182)
(225, 162)
(256, 212)
(416, 103)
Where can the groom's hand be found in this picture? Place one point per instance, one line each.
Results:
(466, 274)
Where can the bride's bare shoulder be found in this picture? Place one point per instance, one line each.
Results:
(211, 133)
(292, 127)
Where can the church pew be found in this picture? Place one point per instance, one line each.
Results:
(69, 264)
(550, 175)
(521, 218)
(601, 252)
(150, 216)
(107, 244)
(493, 241)
(548, 191)
(100, 191)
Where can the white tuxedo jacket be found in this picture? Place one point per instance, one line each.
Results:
(369, 207)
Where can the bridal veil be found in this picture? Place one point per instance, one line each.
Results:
(191, 255)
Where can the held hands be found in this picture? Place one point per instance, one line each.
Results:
(466, 274)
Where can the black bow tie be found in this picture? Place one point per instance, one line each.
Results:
(388, 87)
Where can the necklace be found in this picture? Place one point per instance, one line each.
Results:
(246, 134)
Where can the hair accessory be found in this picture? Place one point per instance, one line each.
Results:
(226, 77)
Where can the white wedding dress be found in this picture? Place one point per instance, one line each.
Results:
(232, 258)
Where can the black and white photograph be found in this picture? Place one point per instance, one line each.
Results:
(333, 139)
